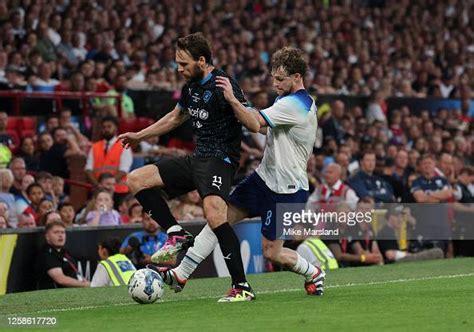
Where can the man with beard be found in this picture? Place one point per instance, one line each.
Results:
(109, 156)
(211, 167)
(290, 125)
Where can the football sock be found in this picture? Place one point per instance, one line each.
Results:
(156, 207)
(230, 247)
(303, 268)
(175, 229)
(204, 244)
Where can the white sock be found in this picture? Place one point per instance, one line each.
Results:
(204, 244)
(303, 268)
(174, 229)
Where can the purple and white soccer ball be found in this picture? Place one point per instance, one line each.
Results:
(145, 286)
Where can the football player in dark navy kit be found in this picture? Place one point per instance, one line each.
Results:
(211, 167)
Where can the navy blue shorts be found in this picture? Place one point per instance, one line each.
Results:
(253, 196)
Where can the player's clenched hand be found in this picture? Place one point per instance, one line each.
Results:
(129, 139)
(224, 83)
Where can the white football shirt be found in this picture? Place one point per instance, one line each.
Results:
(291, 135)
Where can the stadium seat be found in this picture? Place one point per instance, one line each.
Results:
(126, 125)
(14, 122)
(143, 122)
(28, 123)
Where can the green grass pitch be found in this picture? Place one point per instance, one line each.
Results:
(427, 296)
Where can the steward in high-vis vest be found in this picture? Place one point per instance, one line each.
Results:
(109, 156)
(317, 253)
(114, 269)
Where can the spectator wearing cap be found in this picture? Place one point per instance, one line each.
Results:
(114, 269)
(387, 239)
(56, 268)
(366, 184)
(347, 250)
(14, 79)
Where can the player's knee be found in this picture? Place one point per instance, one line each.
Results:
(271, 253)
(215, 211)
(134, 182)
(215, 218)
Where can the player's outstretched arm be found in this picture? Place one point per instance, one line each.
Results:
(167, 123)
(249, 118)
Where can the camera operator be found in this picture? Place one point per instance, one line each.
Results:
(139, 246)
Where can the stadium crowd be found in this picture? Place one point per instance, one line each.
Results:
(362, 48)
(408, 48)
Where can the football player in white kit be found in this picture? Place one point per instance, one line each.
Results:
(291, 125)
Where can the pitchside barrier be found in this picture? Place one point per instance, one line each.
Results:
(19, 249)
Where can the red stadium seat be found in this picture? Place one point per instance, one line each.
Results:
(14, 122)
(126, 125)
(28, 123)
(143, 122)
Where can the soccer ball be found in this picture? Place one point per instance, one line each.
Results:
(145, 286)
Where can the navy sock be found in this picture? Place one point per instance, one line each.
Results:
(156, 207)
(230, 247)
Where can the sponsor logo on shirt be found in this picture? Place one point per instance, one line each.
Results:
(196, 97)
(203, 114)
(207, 95)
